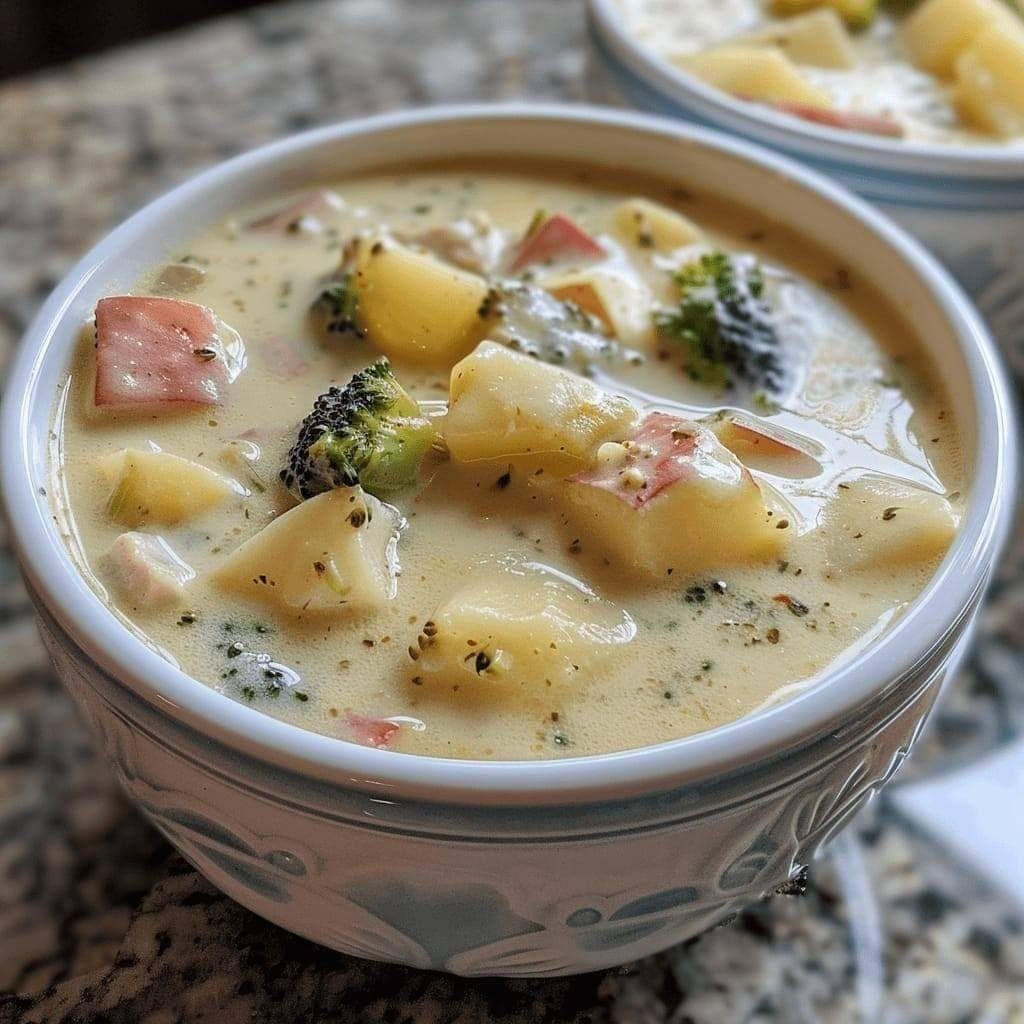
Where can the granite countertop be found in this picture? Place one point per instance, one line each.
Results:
(101, 921)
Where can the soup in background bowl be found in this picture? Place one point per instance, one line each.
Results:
(912, 106)
(566, 862)
(939, 71)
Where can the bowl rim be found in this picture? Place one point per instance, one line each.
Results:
(984, 161)
(51, 571)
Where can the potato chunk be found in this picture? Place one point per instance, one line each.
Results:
(938, 31)
(755, 73)
(653, 226)
(856, 13)
(331, 553)
(989, 91)
(672, 499)
(157, 487)
(519, 626)
(619, 302)
(416, 308)
(509, 406)
(818, 38)
(883, 523)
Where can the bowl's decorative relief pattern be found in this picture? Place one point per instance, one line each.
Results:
(485, 902)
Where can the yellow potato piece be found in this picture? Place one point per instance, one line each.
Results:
(653, 226)
(332, 553)
(856, 13)
(714, 516)
(414, 307)
(619, 302)
(818, 38)
(518, 626)
(938, 31)
(881, 523)
(511, 407)
(157, 487)
(989, 92)
(755, 73)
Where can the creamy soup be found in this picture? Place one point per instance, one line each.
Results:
(937, 71)
(635, 462)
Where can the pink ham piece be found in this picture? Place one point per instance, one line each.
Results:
(304, 211)
(370, 732)
(145, 569)
(758, 445)
(747, 439)
(283, 358)
(666, 446)
(556, 240)
(845, 120)
(153, 352)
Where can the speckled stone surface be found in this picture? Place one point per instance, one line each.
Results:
(100, 921)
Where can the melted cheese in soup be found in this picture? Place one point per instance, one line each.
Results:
(690, 462)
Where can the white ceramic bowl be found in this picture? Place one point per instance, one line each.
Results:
(506, 868)
(965, 203)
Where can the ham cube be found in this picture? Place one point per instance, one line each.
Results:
(145, 569)
(557, 240)
(844, 120)
(300, 216)
(370, 732)
(759, 445)
(664, 445)
(153, 352)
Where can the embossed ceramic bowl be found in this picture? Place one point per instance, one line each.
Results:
(965, 203)
(506, 868)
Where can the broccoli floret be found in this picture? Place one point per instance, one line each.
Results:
(338, 302)
(724, 323)
(529, 319)
(369, 432)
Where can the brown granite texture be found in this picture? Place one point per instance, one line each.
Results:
(99, 920)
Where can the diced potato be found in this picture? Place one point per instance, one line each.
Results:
(989, 91)
(508, 406)
(620, 303)
(146, 570)
(519, 626)
(883, 523)
(157, 487)
(856, 13)
(331, 553)
(938, 31)
(653, 226)
(755, 73)
(818, 38)
(416, 308)
(673, 500)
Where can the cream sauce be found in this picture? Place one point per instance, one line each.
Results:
(703, 654)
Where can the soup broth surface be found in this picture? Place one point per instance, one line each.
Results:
(693, 649)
